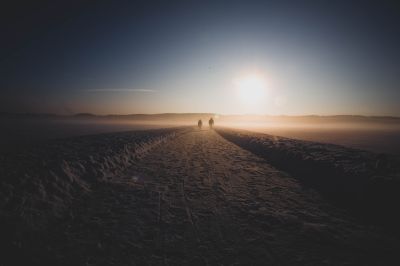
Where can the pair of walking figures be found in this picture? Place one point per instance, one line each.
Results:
(210, 123)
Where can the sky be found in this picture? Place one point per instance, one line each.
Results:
(226, 57)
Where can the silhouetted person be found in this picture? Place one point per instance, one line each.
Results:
(200, 124)
(211, 122)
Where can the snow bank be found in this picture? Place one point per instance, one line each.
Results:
(38, 185)
(365, 182)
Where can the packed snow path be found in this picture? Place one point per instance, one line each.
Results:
(201, 200)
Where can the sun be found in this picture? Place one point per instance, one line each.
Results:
(250, 89)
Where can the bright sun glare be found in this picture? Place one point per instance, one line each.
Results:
(250, 89)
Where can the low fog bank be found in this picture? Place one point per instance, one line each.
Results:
(373, 135)
(379, 134)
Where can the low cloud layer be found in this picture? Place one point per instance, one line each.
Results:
(119, 90)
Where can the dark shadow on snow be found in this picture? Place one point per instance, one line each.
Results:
(365, 183)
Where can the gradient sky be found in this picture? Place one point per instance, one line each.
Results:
(186, 56)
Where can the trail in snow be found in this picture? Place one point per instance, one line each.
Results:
(199, 199)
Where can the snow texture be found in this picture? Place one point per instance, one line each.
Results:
(365, 182)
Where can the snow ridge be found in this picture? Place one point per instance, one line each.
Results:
(38, 184)
(365, 182)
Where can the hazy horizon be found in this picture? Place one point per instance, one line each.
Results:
(379, 134)
(194, 113)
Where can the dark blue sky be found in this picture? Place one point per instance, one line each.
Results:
(189, 56)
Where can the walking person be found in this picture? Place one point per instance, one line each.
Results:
(211, 122)
(200, 124)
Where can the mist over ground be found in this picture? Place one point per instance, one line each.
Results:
(378, 134)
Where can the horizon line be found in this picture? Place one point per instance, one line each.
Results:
(198, 113)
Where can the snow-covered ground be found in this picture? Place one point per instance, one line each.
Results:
(182, 196)
(368, 183)
(39, 184)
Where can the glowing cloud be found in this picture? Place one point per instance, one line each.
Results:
(119, 90)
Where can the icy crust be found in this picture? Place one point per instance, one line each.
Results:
(365, 182)
(38, 184)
